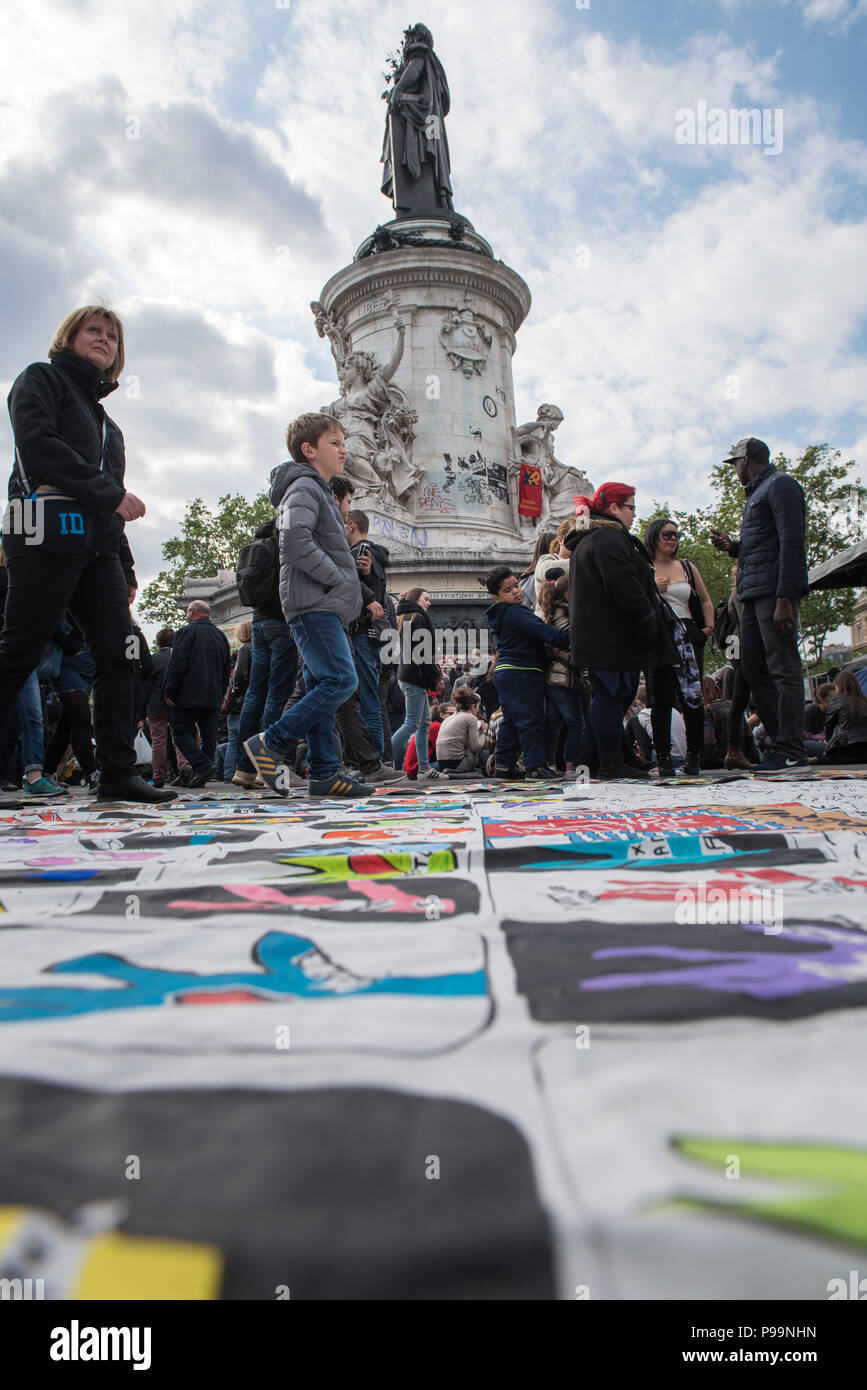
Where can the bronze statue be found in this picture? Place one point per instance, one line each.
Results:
(415, 150)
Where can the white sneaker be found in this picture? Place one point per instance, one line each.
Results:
(430, 774)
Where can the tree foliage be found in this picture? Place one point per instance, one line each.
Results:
(209, 541)
(836, 508)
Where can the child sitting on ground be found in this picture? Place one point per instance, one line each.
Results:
(519, 678)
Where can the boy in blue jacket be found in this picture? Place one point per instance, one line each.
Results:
(519, 676)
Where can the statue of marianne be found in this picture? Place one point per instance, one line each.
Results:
(415, 150)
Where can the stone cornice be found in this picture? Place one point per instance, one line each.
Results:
(413, 265)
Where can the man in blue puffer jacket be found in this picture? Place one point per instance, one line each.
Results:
(772, 577)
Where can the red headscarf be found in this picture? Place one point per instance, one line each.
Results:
(603, 498)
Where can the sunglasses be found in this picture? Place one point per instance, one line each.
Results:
(669, 535)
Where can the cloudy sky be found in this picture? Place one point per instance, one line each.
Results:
(204, 168)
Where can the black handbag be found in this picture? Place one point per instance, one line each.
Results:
(55, 521)
(696, 607)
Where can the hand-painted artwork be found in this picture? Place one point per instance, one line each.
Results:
(671, 853)
(382, 1022)
(395, 901)
(140, 868)
(610, 825)
(394, 1179)
(827, 1184)
(585, 971)
(289, 967)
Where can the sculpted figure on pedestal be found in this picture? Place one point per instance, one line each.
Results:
(378, 423)
(560, 484)
(467, 341)
(334, 329)
(415, 151)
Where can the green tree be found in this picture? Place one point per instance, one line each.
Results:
(836, 507)
(209, 541)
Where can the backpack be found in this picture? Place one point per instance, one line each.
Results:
(258, 572)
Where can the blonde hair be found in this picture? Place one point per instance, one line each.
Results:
(69, 329)
(244, 631)
(564, 529)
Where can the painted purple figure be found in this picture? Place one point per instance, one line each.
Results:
(765, 975)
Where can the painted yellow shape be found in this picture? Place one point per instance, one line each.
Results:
(124, 1267)
(10, 1220)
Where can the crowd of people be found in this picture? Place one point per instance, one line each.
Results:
(599, 644)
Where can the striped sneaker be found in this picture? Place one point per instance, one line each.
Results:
(338, 785)
(271, 768)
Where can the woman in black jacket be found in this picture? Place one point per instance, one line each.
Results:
(846, 722)
(416, 675)
(615, 617)
(64, 533)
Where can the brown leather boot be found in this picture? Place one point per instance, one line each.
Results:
(736, 760)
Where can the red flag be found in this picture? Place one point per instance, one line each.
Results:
(530, 491)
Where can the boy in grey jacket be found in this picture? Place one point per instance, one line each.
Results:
(319, 592)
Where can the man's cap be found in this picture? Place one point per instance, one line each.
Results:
(749, 448)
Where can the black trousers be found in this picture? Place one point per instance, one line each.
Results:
(94, 589)
(73, 727)
(664, 687)
(184, 722)
(357, 743)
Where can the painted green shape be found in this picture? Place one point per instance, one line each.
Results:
(834, 1204)
(368, 863)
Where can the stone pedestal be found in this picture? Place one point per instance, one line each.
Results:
(462, 310)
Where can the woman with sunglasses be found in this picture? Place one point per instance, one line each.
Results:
(683, 588)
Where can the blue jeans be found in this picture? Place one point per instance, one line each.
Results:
(569, 705)
(233, 724)
(29, 707)
(369, 668)
(330, 679)
(417, 722)
(273, 669)
(522, 700)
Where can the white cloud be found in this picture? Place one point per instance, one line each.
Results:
(256, 174)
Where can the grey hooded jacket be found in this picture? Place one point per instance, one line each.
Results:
(317, 572)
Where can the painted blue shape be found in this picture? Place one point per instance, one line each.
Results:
(282, 977)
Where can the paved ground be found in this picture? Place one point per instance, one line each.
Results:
(479, 1041)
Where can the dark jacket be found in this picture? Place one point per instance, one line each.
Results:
(57, 421)
(317, 572)
(240, 678)
(770, 552)
(844, 724)
(412, 670)
(814, 719)
(614, 609)
(373, 586)
(156, 705)
(200, 667)
(521, 636)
